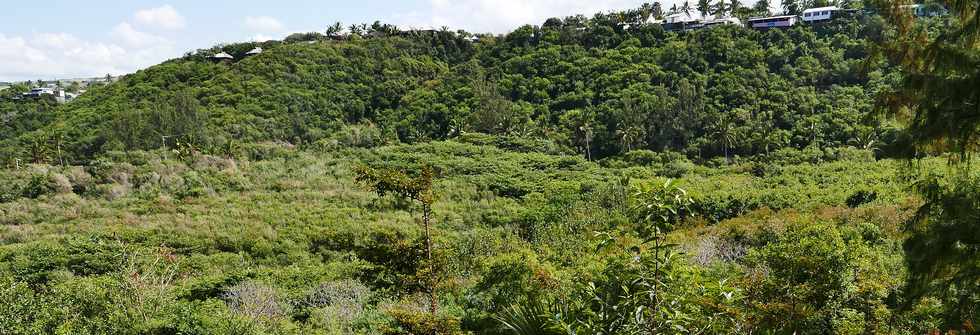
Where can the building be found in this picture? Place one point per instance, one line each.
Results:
(59, 94)
(256, 51)
(819, 14)
(782, 21)
(222, 57)
(930, 10)
(39, 91)
(681, 21)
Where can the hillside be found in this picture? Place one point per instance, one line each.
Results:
(586, 176)
(587, 85)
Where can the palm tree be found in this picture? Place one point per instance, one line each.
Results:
(793, 7)
(735, 7)
(531, 318)
(686, 8)
(720, 8)
(727, 135)
(704, 7)
(335, 29)
(762, 8)
(657, 10)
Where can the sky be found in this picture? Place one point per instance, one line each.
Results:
(59, 39)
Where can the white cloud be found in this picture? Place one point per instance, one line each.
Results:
(63, 55)
(264, 24)
(165, 17)
(499, 16)
(134, 38)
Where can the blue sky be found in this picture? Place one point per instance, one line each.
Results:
(66, 39)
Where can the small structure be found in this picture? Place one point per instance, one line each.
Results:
(821, 14)
(782, 21)
(927, 10)
(681, 21)
(256, 51)
(223, 57)
(39, 91)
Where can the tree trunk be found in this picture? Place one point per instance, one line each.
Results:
(727, 160)
(433, 303)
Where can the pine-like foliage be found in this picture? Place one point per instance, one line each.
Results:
(940, 96)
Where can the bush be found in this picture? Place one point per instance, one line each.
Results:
(255, 301)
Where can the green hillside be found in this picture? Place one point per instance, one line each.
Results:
(585, 176)
(590, 85)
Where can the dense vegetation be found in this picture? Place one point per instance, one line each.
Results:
(599, 86)
(586, 176)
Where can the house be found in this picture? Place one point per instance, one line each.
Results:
(223, 57)
(819, 14)
(781, 21)
(253, 52)
(930, 10)
(59, 95)
(39, 91)
(681, 21)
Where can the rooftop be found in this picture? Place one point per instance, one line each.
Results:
(770, 17)
(222, 55)
(821, 9)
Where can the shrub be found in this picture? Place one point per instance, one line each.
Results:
(339, 303)
(413, 322)
(255, 301)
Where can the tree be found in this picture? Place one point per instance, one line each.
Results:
(939, 94)
(720, 8)
(335, 29)
(726, 133)
(658, 207)
(762, 8)
(419, 189)
(704, 7)
(657, 10)
(632, 122)
(792, 7)
(736, 7)
(938, 100)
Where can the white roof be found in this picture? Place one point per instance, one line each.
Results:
(255, 51)
(771, 17)
(683, 17)
(223, 56)
(730, 20)
(820, 9)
